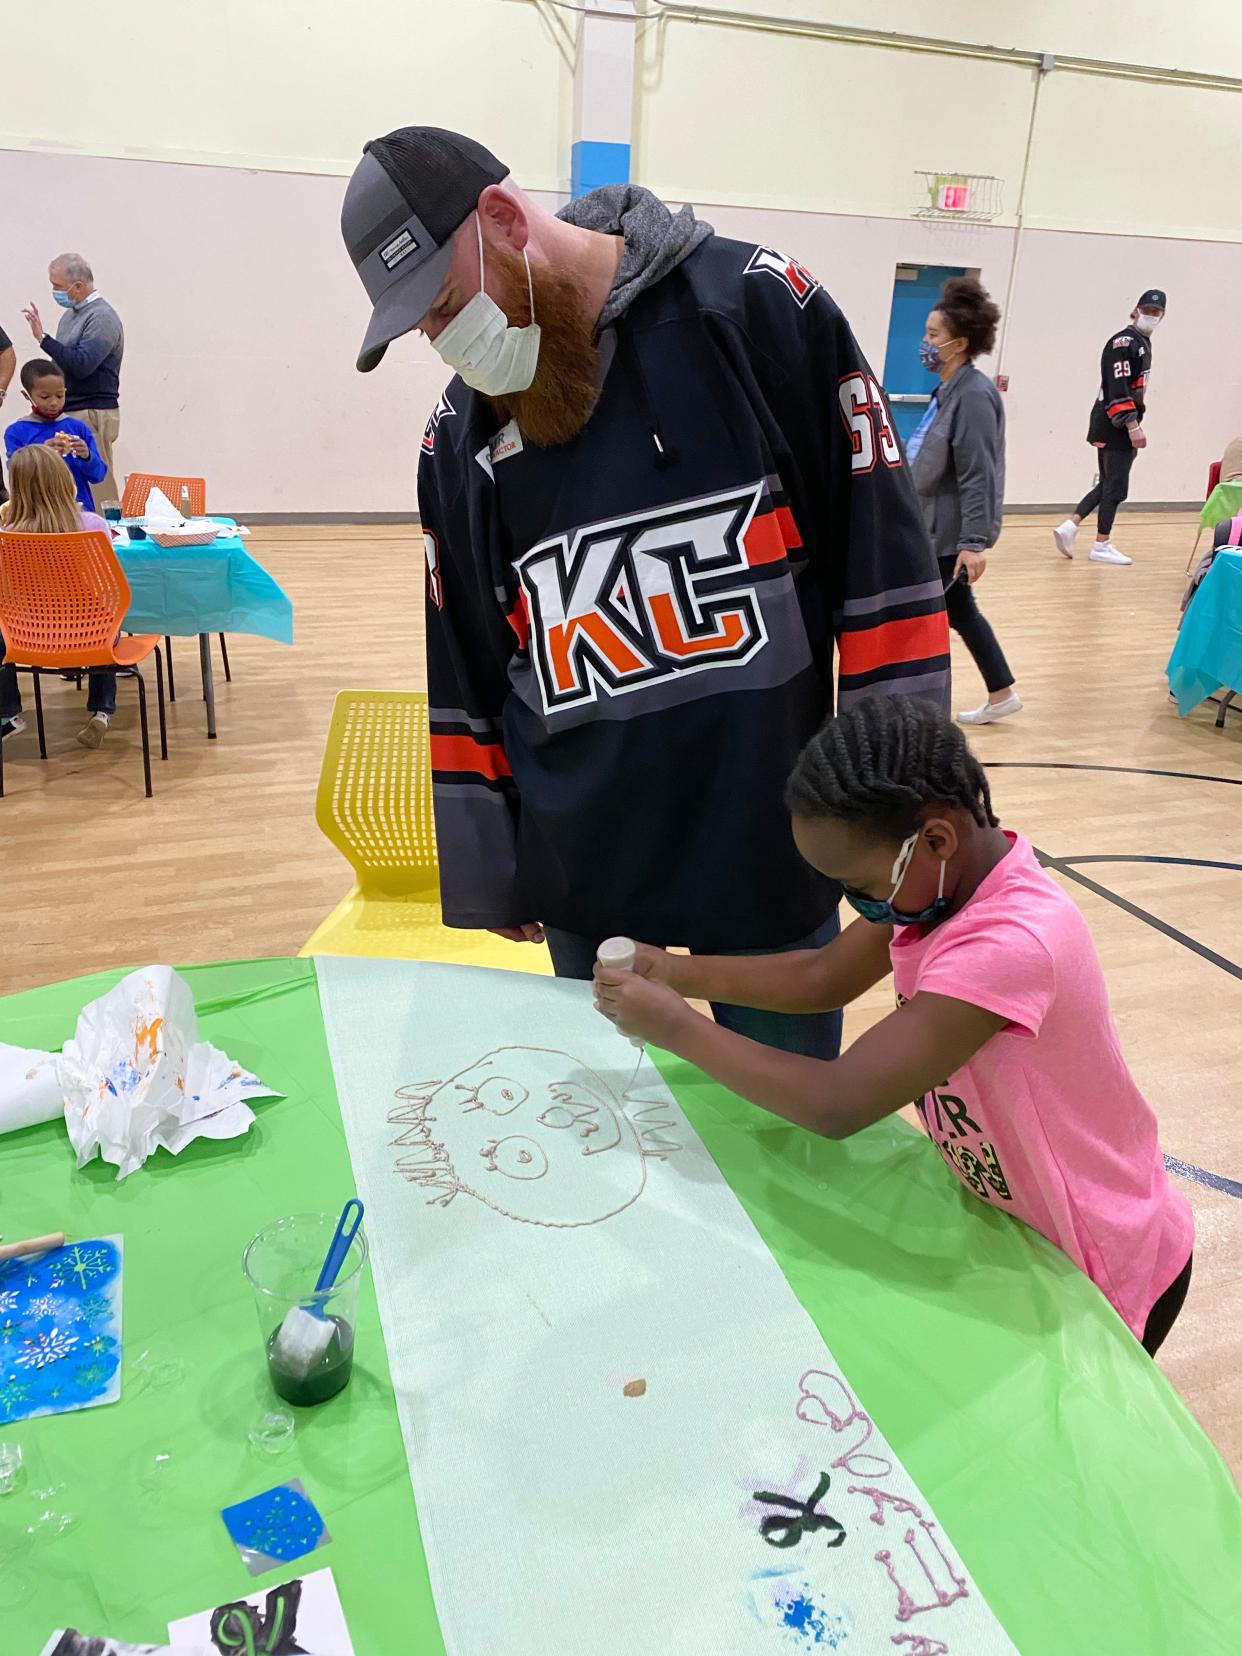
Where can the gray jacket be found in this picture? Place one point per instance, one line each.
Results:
(959, 472)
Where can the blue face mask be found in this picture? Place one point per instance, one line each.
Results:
(62, 299)
(880, 910)
(929, 356)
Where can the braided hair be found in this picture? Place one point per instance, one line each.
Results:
(881, 761)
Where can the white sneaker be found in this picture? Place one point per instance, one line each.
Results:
(1108, 553)
(1065, 534)
(991, 711)
(92, 734)
(13, 726)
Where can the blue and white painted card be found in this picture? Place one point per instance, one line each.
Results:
(60, 1329)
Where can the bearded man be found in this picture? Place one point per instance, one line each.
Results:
(663, 485)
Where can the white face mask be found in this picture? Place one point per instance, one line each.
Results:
(489, 355)
(1147, 324)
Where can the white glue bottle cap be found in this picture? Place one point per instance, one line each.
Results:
(618, 955)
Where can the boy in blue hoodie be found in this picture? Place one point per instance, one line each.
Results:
(43, 386)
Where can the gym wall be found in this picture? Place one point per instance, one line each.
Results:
(201, 171)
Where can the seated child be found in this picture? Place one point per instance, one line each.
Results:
(43, 386)
(1002, 1033)
(42, 502)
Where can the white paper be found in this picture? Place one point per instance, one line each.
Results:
(599, 1367)
(69, 1642)
(29, 1089)
(318, 1626)
(160, 510)
(135, 1076)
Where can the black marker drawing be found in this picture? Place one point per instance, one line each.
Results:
(781, 1531)
(243, 1629)
(533, 1134)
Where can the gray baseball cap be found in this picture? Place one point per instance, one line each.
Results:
(408, 194)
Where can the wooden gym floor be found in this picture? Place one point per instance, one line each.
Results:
(1098, 770)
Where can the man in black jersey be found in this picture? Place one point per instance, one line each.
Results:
(1116, 428)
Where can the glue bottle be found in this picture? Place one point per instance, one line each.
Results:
(617, 954)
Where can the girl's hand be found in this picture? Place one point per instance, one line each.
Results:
(640, 1004)
(974, 563)
(657, 964)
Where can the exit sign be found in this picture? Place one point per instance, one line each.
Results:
(953, 198)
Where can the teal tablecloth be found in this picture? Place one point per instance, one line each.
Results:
(1208, 652)
(203, 589)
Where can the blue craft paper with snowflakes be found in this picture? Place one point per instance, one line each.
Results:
(60, 1330)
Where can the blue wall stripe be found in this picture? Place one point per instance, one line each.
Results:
(594, 163)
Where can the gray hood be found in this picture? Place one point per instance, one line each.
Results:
(656, 241)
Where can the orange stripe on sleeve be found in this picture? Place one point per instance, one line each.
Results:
(763, 540)
(914, 638)
(789, 529)
(519, 619)
(770, 536)
(463, 753)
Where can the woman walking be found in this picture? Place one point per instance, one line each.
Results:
(957, 461)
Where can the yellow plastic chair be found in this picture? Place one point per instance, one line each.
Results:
(374, 804)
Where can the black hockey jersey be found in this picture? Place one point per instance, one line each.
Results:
(629, 638)
(1125, 366)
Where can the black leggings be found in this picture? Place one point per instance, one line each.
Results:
(968, 621)
(1164, 1312)
(1111, 488)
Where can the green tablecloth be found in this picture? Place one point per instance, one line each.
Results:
(1093, 1512)
(1225, 501)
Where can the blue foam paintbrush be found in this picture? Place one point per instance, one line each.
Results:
(306, 1333)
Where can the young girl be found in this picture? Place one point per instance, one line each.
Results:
(1002, 1031)
(43, 501)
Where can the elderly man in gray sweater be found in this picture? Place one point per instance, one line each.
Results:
(88, 348)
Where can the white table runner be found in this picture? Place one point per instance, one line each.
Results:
(625, 1435)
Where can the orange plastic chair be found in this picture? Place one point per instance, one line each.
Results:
(63, 600)
(138, 486)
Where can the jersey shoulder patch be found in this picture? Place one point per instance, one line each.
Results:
(442, 411)
(1121, 341)
(794, 277)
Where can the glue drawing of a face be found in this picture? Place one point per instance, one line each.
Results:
(534, 1135)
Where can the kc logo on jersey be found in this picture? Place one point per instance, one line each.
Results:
(766, 261)
(618, 605)
(441, 411)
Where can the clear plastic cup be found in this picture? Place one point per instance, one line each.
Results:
(308, 1361)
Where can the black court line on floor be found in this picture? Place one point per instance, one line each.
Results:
(1120, 770)
(1067, 867)
(1214, 1181)
(1176, 862)
(1064, 865)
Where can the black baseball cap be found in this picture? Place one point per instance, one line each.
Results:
(1153, 299)
(407, 196)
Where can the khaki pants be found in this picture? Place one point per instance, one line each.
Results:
(105, 428)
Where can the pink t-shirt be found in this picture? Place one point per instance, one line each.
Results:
(1045, 1121)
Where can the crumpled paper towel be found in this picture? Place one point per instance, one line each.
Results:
(135, 1076)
